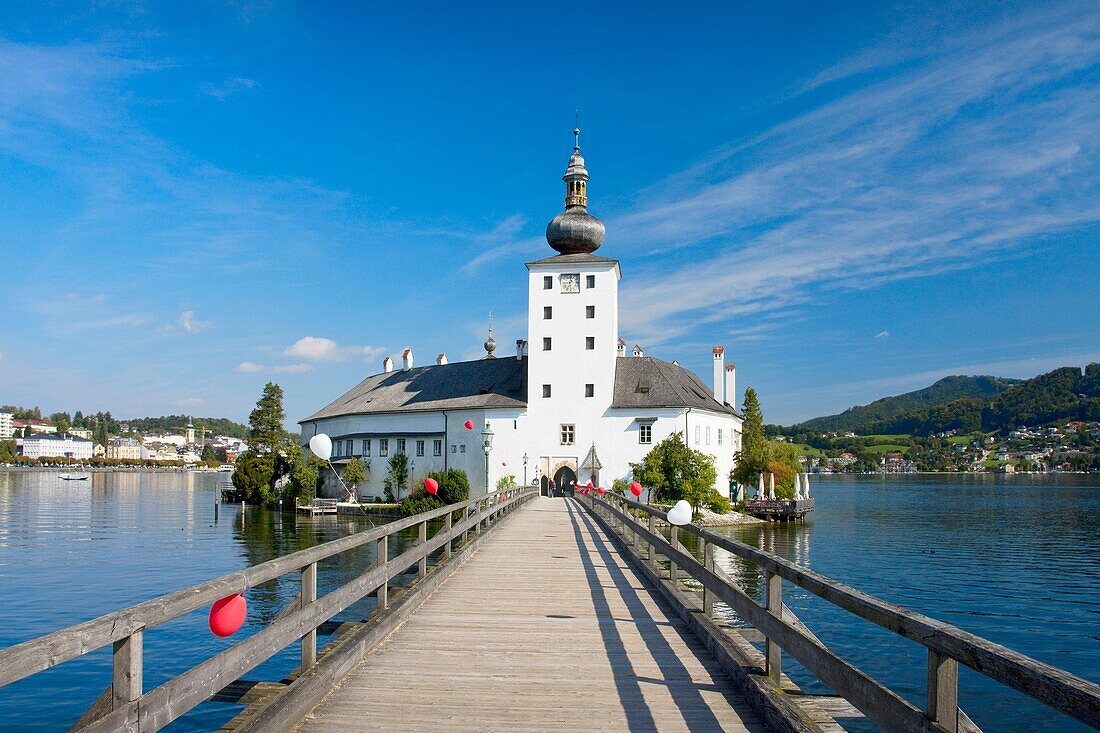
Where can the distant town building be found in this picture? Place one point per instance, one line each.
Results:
(28, 427)
(57, 445)
(7, 425)
(81, 433)
(125, 449)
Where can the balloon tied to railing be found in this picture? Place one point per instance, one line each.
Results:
(228, 614)
(431, 486)
(636, 489)
(680, 513)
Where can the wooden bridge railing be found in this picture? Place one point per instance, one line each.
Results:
(947, 645)
(124, 705)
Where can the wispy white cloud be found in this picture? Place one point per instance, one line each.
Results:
(882, 335)
(190, 402)
(293, 368)
(314, 348)
(228, 87)
(189, 323)
(249, 367)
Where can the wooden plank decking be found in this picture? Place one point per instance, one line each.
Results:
(545, 628)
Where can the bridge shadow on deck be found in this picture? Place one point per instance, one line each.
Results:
(685, 692)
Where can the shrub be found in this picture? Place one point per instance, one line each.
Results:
(454, 486)
(504, 483)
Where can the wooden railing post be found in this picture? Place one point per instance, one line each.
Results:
(708, 563)
(309, 595)
(943, 691)
(652, 530)
(465, 522)
(422, 539)
(447, 524)
(382, 595)
(673, 539)
(775, 607)
(126, 661)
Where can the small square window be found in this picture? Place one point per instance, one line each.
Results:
(568, 434)
(547, 312)
(383, 447)
(454, 449)
(401, 446)
(590, 281)
(545, 343)
(590, 311)
(589, 342)
(589, 390)
(546, 390)
(548, 282)
(645, 433)
(462, 448)
(437, 447)
(419, 447)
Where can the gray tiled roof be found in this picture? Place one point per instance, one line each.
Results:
(640, 382)
(645, 382)
(498, 382)
(583, 258)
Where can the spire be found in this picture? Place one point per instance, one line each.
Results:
(490, 344)
(575, 231)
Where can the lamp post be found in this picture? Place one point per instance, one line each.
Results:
(487, 444)
(525, 469)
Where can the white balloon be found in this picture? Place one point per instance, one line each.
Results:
(321, 445)
(680, 513)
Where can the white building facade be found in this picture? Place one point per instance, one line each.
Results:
(7, 426)
(125, 449)
(570, 406)
(57, 445)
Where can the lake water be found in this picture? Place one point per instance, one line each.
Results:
(1013, 559)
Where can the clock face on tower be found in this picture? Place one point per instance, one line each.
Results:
(571, 283)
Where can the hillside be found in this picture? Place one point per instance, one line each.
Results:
(1067, 393)
(173, 423)
(948, 389)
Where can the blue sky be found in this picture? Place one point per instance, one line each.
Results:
(854, 198)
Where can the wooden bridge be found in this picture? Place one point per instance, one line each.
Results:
(541, 614)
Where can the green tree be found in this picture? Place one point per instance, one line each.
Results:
(61, 421)
(782, 460)
(304, 475)
(504, 483)
(252, 478)
(8, 451)
(266, 433)
(752, 459)
(673, 471)
(208, 456)
(397, 480)
(355, 473)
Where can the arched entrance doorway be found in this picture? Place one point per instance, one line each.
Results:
(565, 480)
(545, 486)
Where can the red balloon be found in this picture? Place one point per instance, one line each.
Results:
(601, 490)
(227, 615)
(469, 424)
(636, 489)
(590, 484)
(431, 486)
(503, 463)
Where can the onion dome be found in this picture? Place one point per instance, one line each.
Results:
(575, 231)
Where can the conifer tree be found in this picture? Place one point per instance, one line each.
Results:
(752, 459)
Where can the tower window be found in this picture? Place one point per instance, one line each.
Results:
(545, 343)
(546, 390)
(590, 281)
(590, 311)
(568, 434)
(547, 312)
(589, 390)
(589, 342)
(548, 282)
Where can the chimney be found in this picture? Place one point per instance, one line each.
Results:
(407, 360)
(719, 374)
(731, 384)
(620, 349)
(521, 348)
(441, 359)
(638, 350)
(387, 365)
